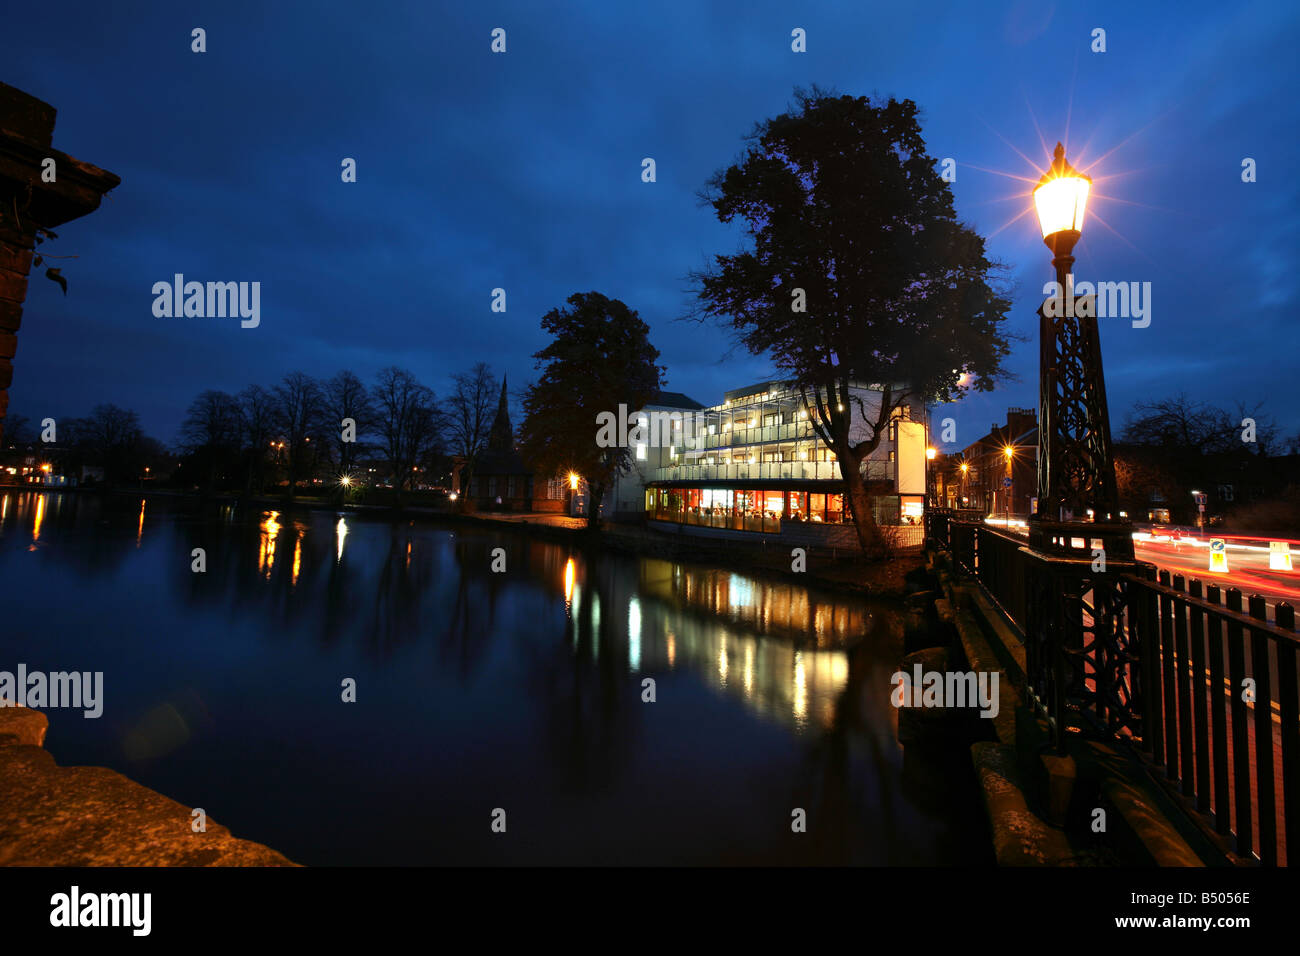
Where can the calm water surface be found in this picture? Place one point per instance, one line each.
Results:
(475, 690)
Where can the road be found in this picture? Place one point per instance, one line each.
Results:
(1188, 554)
(1248, 569)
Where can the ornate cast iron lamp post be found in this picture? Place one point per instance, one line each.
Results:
(1079, 652)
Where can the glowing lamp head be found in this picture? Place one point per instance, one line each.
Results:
(965, 467)
(45, 468)
(1009, 452)
(346, 481)
(930, 453)
(1060, 199)
(573, 481)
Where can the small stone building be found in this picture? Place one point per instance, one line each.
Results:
(503, 481)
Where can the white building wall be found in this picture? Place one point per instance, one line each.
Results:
(899, 458)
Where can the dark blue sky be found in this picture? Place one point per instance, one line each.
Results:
(522, 171)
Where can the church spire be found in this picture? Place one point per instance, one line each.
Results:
(502, 436)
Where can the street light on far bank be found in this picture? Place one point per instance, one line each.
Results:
(929, 481)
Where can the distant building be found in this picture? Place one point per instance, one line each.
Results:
(995, 482)
(755, 464)
(503, 481)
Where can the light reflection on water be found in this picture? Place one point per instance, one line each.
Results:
(474, 688)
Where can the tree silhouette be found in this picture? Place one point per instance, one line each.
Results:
(600, 357)
(850, 220)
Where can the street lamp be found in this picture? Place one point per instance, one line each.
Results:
(1010, 453)
(1060, 199)
(1075, 466)
(1078, 651)
(929, 480)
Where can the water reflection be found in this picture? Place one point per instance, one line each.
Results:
(266, 544)
(524, 686)
(40, 517)
(737, 633)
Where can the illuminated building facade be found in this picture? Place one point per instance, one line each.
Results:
(754, 463)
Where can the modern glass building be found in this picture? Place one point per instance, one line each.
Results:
(754, 463)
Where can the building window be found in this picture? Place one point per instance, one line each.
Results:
(640, 452)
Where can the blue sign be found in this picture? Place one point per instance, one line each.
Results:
(1006, 482)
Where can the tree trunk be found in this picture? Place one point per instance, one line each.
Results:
(859, 502)
(594, 495)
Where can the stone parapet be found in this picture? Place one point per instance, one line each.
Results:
(93, 816)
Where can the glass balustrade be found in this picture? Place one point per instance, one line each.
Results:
(768, 471)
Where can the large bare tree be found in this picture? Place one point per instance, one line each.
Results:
(408, 423)
(470, 411)
(346, 397)
(257, 420)
(298, 407)
(210, 433)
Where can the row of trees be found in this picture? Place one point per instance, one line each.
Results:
(313, 427)
(300, 429)
(1173, 446)
(109, 437)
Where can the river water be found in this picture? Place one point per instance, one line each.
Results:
(476, 691)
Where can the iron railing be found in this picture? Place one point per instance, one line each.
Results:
(1196, 679)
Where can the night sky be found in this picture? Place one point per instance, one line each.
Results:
(523, 170)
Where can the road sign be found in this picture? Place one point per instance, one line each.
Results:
(1279, 556)
(1218, 555)
(1006, 482)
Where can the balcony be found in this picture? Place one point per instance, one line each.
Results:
(791, 431)
(768, 471)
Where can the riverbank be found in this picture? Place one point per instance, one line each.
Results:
(92, 816)
(837, 572)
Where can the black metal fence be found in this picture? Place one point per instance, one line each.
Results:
(1198, 680)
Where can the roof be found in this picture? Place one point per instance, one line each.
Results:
(674, 400)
